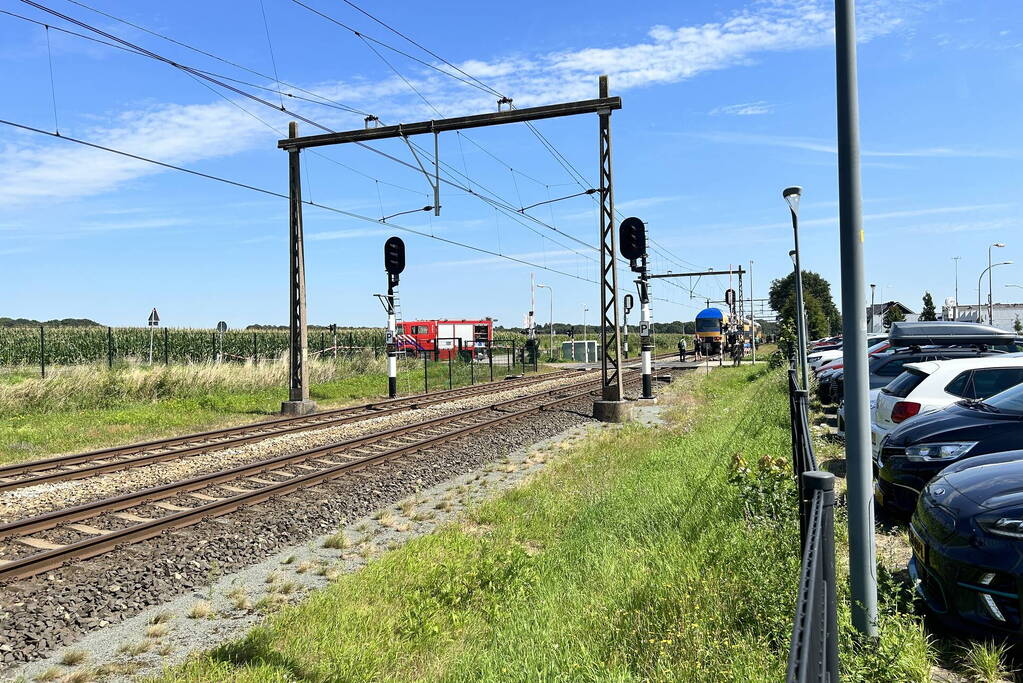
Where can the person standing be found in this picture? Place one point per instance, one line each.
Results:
(682, 350)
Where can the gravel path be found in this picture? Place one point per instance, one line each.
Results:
(34, 500)
(55, 609)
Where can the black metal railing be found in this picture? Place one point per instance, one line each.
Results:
(813, 655)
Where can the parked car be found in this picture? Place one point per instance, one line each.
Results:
(841, 411)
(967, 539)
(915, 452)
(820, 357)
(929, 386)
(828, 373)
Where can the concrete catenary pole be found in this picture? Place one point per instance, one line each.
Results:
(862, 553)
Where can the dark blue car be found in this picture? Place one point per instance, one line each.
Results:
(967, 538)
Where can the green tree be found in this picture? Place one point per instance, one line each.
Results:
(1017, 326)
(928, 312)
(817, 325)
(814, 287)
(894, 314)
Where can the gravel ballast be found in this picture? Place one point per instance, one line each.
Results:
(35, 500)
(55, 609)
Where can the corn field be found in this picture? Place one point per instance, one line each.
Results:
(28, 347)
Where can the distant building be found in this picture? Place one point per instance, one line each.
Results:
(1005, 315)
(875, 317)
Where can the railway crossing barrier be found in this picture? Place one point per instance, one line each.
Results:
(813, 654)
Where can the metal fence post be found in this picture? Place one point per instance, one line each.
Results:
(110, 348)
(511, 359)
(255, 350)
(166, 346)
(450, 385)
(42, 352)
(472, 369)
(213, 338)
(824, 482)
(426, 373)
(490, 356)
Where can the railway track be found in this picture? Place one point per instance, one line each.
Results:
(144, 514)
(92, 463)
(117, 458)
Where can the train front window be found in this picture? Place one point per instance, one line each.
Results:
(419, 329)
(708, 325)
(479, 333)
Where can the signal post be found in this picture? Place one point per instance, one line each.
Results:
(632, 234)
(394, 263)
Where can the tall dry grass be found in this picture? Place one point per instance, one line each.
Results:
(95, 386)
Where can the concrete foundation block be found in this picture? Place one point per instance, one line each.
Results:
(612, 411)
(298, 407)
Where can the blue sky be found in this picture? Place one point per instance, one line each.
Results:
(725, 103)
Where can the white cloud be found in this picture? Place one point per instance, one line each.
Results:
(746, 109)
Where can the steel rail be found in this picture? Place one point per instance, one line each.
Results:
(90, 547)
(234, 436)
(128, 500)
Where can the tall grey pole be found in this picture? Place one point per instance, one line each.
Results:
(862, 553)
(801, 331)
(752, 317)
(870, 327)
(990, 316)
(955, 309)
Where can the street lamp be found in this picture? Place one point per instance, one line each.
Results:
(549, 289)
(955, 309)
(990, 307)
(872, 288)
(791, 196)
(979, 281)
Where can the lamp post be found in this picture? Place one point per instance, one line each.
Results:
(586, 347)
(979, 281)
(551, 290)
(955, 309)
(990, 307)
(791, 196)
(872, 288)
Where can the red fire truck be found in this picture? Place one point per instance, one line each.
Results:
(441, 339)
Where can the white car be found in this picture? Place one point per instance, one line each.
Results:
(840, 432)
(818, 358)
(932, 385)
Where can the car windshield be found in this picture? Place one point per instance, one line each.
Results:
(877, 347)
(1009, 401)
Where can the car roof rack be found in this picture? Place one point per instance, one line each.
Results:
(948, 333)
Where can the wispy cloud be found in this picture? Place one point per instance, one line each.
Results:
(746, 109)
(828, 147)
(32, 170)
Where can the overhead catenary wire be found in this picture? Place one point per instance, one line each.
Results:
(201, 74)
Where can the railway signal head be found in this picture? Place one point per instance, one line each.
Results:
(632, 239)
(394, 258)
(628, 303)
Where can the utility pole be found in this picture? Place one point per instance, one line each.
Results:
(862, 552)
(298, 402)
(551, 290)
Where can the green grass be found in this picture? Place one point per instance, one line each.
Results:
(116, 419)
(644, 554)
